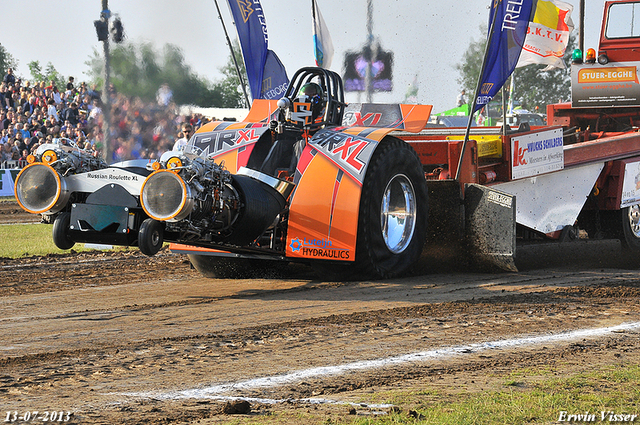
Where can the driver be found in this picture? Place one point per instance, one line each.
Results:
(309, 94)
(308, 109)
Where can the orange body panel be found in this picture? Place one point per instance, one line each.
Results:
(230, 160)
(323, 217)
(415, 116)
(261, 110)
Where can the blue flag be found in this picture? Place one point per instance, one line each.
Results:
(274, 78)
(508, 23)
(259, 61)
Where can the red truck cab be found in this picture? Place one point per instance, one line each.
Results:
(620, 34)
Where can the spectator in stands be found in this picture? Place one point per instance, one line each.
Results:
(19, 143)
(33, 141)
(187, 132)
(3, 94)
(71, 114)
(20, 129)
(66, 125)
(96, 111)
(9, 78)
(11, 98)
(52, 111)
(55, 95)
(164, 95)
(139, 129)
(32, 104)
(93, 92)
(84, 104)
(7, 151)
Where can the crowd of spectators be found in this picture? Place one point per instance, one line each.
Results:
(34, 113)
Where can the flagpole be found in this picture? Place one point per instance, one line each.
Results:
(504, 111)
(507, 107)
(477, 93)
(233, 56)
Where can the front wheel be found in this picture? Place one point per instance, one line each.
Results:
(61, 236)
(392, 224)
(631, 228)
(150, 236)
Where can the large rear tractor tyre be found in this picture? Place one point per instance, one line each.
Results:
(61, 236)
(631, 229)
(151, 236)
(392, 225)
(236, 268)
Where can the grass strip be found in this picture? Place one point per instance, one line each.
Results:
(24, 240)
(535, 397)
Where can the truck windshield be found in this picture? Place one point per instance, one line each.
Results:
(623, 20)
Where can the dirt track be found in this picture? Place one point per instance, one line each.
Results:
(122, 338)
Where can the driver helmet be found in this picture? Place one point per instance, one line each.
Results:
(312, 93)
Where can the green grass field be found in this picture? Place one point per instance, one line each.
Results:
(23, 240)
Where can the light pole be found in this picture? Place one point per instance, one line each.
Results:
(372, 53)
(102, 30)
(106, 100)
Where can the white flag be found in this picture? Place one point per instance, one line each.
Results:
(323, 47)
(548, 34)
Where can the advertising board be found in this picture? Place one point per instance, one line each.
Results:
(613, 85)
(537, 153)
(7, 177)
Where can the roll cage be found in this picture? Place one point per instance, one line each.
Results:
(332, 86)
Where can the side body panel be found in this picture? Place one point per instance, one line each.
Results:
(230, 143)
(323, 216)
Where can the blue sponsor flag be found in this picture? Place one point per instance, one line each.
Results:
(252, 32)
(274, 78)
(508, 23)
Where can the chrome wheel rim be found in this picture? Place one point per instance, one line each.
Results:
(634, 220)
(398, 213)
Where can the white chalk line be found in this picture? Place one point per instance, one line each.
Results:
(216, 392)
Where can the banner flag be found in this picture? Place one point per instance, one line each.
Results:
(509, 20)
(274, 78)
(252, 32)
(548, 35)
(323, 46)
